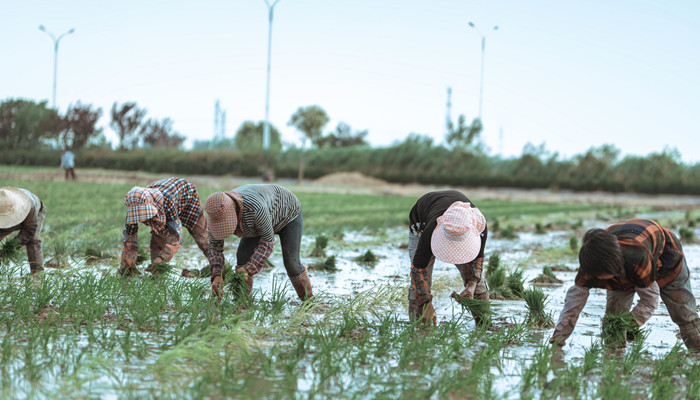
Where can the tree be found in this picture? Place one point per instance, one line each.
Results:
(462, 136)
(310, 121)
(80, 126)
(25, 124)
(126, 122)
(343, 137)
(160, 134)
(249, 137)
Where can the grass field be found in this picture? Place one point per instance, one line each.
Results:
(84, 332)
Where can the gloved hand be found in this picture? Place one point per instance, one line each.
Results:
(469, 290)
(428, 314)
(217, 286)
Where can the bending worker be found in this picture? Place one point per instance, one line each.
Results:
(165, 206)
(21, 210)
(633, 256)
(447, 226)
(256, 213)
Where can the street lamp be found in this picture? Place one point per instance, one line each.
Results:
(266, 127)
(55, 55)
(483, 50)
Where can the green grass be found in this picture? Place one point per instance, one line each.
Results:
(85, 332)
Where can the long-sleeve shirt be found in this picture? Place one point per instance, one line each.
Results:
(263, 210)
(423, 220)
(67, 160)
(29, 229)
(653, 258)
(180, 203)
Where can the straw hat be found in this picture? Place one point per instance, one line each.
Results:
(456, 239)
(221, 215)
(14, 207)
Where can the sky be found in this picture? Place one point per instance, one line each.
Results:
(567, 74)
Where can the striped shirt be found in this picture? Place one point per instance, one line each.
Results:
(266, 210)
(651, 252)
(180, 202)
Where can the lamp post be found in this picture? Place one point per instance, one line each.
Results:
(483, 51)
(55, 55)
(266, 127)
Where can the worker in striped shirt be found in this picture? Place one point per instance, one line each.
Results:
(633, 256)
(165, 206)
(256, 213)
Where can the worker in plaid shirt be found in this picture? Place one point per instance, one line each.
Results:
(165, 206)
(634, 256)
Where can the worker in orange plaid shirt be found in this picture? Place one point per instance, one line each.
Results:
(165, 206)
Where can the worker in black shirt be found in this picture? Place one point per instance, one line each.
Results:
(447, 226)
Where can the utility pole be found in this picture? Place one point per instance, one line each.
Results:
(448, 118)
(483, 53)
(266, 127)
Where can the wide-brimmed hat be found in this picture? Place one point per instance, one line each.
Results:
(14, 207)
(221, 215)
(141, 204)
(456, 239)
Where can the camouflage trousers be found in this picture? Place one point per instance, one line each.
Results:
(198, 232)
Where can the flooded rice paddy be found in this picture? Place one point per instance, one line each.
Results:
(277, 347)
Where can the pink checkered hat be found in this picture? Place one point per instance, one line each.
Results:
(456, 238)
(221, 215)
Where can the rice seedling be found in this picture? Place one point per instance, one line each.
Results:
(535, 301)
(10, 251)
(515, 282)
(319, 249)
(160, 268)
(617, 328)
(142, 255)
(540, 229)
(546, 277)
(327, 265)
(498, 284)
(573, 244)
(367, 257)
(687, 235)
(578, 224)
(494, 263)
(480, 309)
(237, 284)
(508, 232)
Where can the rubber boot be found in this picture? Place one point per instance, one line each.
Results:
(690, 332)
(301, 284)
(35, 256)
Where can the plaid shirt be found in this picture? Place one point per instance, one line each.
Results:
(652, 253)
(179, 201)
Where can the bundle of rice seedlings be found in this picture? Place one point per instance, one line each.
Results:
(237, 284)
(497, 285)
(494, 263)
(206, 271)
(368, 257)
(480, 309)
(547, 276)
(516, 283)
(142, 255)
(327, 265)
(160, 268)
(10, 251)
(319, 246)
(535, 301)
(618, 328)
(573, 244)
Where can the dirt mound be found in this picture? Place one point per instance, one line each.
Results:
(351, 179)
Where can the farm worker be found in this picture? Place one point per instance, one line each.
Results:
(447, 226)
(68, 163)
(165, 206)
(256, 213)
(21, 210)
(633, 256)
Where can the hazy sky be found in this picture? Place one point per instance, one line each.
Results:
(570, 74)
